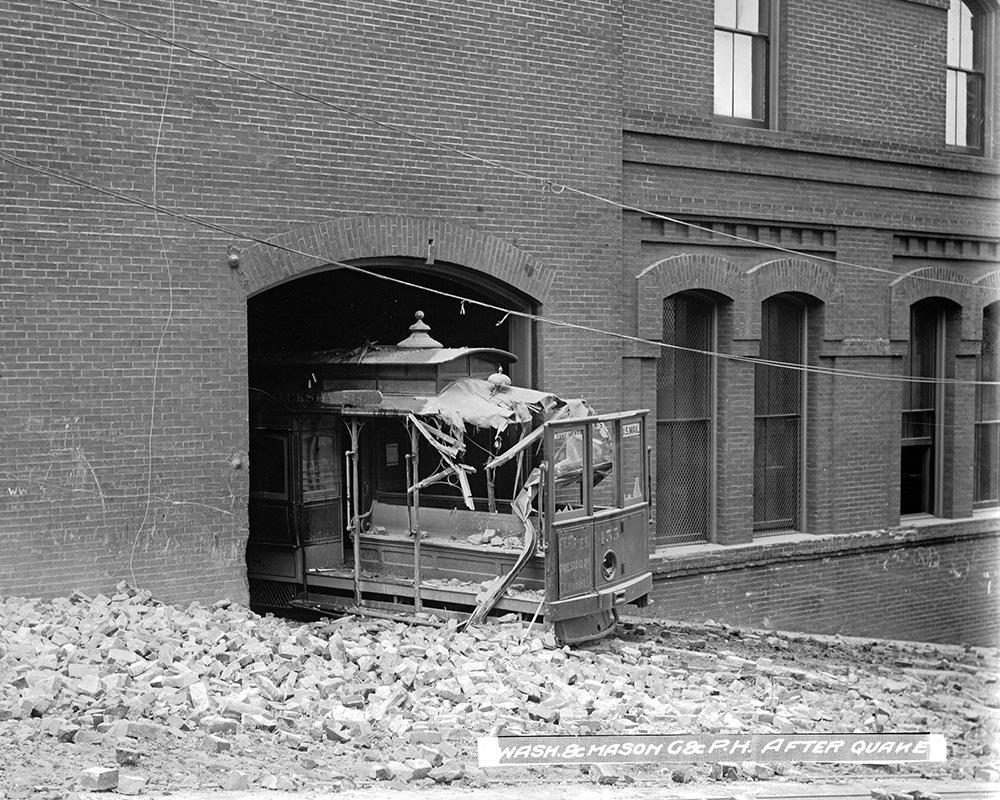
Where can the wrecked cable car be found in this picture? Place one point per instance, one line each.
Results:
(416, 476)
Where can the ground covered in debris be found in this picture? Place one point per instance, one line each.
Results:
(127, 694)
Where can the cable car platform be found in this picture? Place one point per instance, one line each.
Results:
(333, 590)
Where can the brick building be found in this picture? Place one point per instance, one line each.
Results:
(813, 183)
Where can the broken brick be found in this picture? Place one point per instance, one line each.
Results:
(421, 768)
(215, 744)
(98, 779)
(130, 784)
(603, 774)
(400, 771)
(446, 773)
(127, 756)
(236, 782)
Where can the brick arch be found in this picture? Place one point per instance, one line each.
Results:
(382, 236)
(991, 280)
(682, 273)
(987, 294)
(923, 283)
(799, 275)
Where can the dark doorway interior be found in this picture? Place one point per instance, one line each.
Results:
(340, 308)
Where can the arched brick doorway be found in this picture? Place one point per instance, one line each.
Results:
(340, 286)
(302, 297)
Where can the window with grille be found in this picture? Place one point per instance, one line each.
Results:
(742, 59)
(965, 96)
(685, 423)
(987, 426)
(922, 402)
(779, 400)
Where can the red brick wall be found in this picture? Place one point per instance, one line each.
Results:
(851, 72)
(90, 493)
(123, 340)
(929, 586)
(856, 78)
(855, 159)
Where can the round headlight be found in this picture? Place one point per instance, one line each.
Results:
(609, 566)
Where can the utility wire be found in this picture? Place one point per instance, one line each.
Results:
(557, 188)
(324, 261)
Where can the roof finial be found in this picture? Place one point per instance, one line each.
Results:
(498, 380)
(419, 337)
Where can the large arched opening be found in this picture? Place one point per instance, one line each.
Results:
(299, 487)
(339, 308)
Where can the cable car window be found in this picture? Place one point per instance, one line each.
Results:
(271, 523)
(269, 465)
(568, 466)
(604, 476)
(633, 457)
(320, 467)
(391, 448)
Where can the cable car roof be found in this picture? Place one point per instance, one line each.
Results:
(386, 354)
(468, 401)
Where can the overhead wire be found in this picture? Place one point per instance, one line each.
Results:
(322, 260)
(556, 187)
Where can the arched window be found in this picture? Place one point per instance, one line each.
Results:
(966, 86)
(685, 421)
(987, 460)
(779, 417)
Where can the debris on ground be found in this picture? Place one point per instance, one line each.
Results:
(129, 694)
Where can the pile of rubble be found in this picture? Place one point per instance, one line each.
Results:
(130, 694)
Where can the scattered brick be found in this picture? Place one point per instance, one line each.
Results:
(127, 756)
(215, 744)
(236, 782)
(603, 774)
(130, 784)
(415, 698)
(98, 779)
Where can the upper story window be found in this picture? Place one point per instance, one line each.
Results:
(966, 87)
(742, 59)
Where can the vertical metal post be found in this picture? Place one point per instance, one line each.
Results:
(350, 512)
(354, 500)
(415, 519)
(491, 499)
(649, 484)
(546, 533)
(619, 465)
